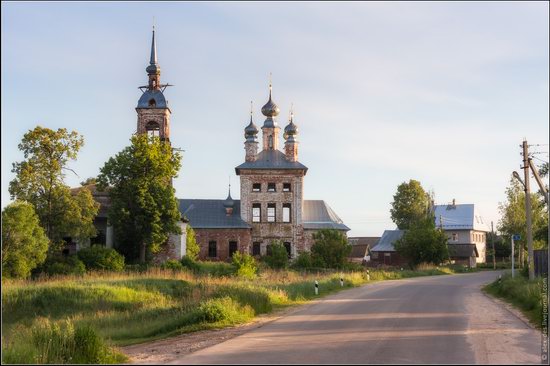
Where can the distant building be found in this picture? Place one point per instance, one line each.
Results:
(466, 230)
(384, 251)
(361, 247)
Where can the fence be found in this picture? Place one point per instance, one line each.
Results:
(541, 262)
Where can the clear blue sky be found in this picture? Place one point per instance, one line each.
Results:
(383, 92)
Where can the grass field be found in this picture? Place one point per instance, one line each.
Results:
(45, 321)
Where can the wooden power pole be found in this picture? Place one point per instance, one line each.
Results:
(530, 260)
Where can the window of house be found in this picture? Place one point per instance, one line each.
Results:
(256, 187)
(286, 187)
(256, 248)
(212, 249)
(270, 212)
(455, 236)
(286, 212)
(232, 248)
(271, 187)
(256, 212)
(288, 248)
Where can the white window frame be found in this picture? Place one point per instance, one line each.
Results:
(256, 214)
(271, 213)
(286, 213)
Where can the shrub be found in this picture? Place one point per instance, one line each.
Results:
(48, 342)
(245, 265)
(99, 257)
(173, 265)
(303, 261)
(192, 248)
(331, 248)
(190, 263)
(277, 256)
(62, 265)
(224, 310)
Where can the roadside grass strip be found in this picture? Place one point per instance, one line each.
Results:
(82, 319)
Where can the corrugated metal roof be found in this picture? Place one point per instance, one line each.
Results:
(457, 217)
(271, 159)
(463, 250)
(317, 214)
(371, 241)
(210, 214)
(388, 239)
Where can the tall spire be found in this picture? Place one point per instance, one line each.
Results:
(153, 60)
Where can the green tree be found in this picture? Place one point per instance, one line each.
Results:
(192, 249)
(277, 256)
(513, 220)
(244, 265)
(89, 181)
(423, 243)
(24, 243)
(144, 209)
(410, 204)
(40, 181)
(331, 248)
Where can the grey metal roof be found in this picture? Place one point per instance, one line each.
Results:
(210, 214)
(388, 239)
(317, 214)
(359, 251)
(371, 241)
(459, 217)
(463, 250)
(271, 159)
(156, 95)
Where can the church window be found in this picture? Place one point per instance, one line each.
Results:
(270, 212)
(270, 143)
(271, 187)
(286, 212)
(256, 187)
(152, 103)
(153, 129)
(286, 187)
(455, 236)
(256, 212)
(232, 248)
(256, 247)
(212, 249)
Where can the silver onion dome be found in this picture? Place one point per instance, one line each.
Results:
(270, 109)
(291, 130)
(228, 201)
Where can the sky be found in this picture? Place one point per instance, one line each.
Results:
(383, 92)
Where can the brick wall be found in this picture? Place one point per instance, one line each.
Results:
(222, 237)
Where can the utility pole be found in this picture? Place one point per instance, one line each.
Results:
(530, 261)
(493, 244)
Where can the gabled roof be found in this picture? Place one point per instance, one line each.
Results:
(271, 159)
(387, 241)
(317, 214)
(459, 217)
(463, 250)
(370, 241)
(210, 214)
(359, 251)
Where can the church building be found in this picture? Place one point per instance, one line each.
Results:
(272, 206)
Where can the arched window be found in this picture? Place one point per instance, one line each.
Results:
(270, 142)
(152, 103)
(153, 129)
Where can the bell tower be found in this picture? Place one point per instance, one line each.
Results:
(152, 109)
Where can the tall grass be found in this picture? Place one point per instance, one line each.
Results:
(126, 308)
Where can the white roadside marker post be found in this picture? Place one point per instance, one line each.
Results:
(341, 281)
(368, 275)
(316, 287)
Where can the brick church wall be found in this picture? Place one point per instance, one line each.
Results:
(222, 237)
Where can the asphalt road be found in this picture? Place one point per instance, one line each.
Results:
(436, 320)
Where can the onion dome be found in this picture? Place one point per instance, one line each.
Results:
(270, 109)
(251, 130)
(291, 129)
(229, 203)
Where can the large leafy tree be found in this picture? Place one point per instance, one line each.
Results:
(423, 243)
(24, 243)
(330, 249)
(410, 204)
(40, 181)
(144, 209)
(513, 220)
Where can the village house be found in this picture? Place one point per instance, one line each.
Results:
(272, 206)
(465, 229)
